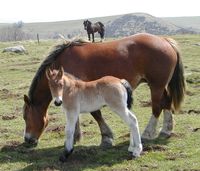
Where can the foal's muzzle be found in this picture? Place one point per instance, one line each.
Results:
(57, 103)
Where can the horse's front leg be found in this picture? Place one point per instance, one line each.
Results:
(92, 37)
(72, 118)
(106, 133)
(89, 36)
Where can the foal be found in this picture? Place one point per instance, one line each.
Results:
(78, 96)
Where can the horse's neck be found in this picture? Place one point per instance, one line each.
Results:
(42, 95)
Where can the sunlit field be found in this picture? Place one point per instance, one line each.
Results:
(179, 152)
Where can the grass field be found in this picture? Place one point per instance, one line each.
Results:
(180, 152)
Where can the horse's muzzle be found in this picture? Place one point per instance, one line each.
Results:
(57, 103)
(31, 141)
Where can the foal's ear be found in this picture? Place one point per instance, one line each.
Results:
(27, 100)
(60, 73)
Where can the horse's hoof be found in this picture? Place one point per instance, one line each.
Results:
(65, 155)
(106, 143)
(164, 135)
(145, 140)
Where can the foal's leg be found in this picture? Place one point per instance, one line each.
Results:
(72, 118)
(150, 130)
(135, 146)
(106, 133)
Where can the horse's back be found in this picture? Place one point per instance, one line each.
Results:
(141, 56)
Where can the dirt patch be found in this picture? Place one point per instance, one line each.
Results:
(145, 103)
(11, 145)
(173, 156)
(6, 94)
(193, 111)
(148, 167)
(4, 131)
(189, 93)
(177, 135)
(57, 129)
(87, 123)
(154, 148)
(17, 146)
(8, 117)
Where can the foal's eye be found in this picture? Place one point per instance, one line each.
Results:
(60, 84)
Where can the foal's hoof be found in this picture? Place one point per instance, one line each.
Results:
(132, 157)
(65, 155)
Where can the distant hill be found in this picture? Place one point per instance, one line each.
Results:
(136, 23)
(192, 23)
(116, 26)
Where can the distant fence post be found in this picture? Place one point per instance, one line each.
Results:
(38, 39)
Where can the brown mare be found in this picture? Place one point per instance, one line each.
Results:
(77, 96)
(138, 58)
(93, 28)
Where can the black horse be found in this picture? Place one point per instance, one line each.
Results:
(92, 28)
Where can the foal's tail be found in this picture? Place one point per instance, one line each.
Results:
(177, 85)
(129, 91)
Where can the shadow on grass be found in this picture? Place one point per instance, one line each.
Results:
(83, 157)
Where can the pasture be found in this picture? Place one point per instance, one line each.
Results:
(180, 152)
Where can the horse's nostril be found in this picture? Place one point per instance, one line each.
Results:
(58, 103)
(31, 141)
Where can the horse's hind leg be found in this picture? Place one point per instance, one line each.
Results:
(102, 36)
(106, 133)
(168, 123)
(168, 117)
(150, 130)
(92, 37)
(89, 36)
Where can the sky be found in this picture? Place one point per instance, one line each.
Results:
(61, 10)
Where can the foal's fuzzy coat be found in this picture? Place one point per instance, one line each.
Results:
(79, 97)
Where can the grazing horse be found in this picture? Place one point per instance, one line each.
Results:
(138, 58)
(77, 96)
(92, 28)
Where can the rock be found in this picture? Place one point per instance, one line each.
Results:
(16, 49)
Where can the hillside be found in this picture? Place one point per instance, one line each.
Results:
(186, 22)
(116, 26)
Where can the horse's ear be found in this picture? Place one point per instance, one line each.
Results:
(27, 100)
(48, 72)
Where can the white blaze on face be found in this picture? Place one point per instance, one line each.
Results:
(58, 99)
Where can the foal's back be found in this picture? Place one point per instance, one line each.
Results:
(93, 95)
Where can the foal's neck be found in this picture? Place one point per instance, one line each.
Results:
(70, 82)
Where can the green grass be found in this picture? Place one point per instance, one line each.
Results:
(180, 152)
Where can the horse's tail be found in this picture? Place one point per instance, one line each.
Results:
(129, 91)
(177, 85)
(102, 25)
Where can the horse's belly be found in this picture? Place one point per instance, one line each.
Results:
(91, 104)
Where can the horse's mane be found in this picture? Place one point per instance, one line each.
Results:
(50, 59)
